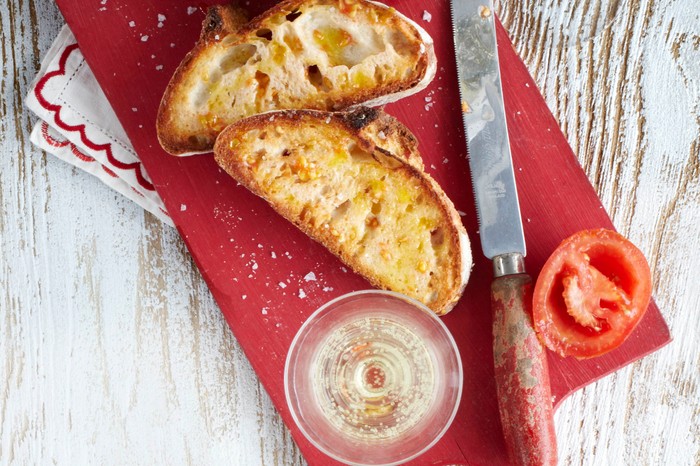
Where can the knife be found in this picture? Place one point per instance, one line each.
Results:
(520, 362)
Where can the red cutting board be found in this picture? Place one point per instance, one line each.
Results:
(255, 262)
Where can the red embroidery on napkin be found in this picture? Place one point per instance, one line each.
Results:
(109, 172)
(56, 110)
(75, 151)
(82, 156)
(50, 139)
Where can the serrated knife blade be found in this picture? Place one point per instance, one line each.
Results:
(483, 113)
(520, 362)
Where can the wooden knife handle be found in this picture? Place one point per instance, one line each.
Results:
(522, 375)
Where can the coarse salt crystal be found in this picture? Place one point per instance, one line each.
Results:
(255, 266)
(245, 296)
(144, 38)
(461, 214)
(282, 285)
(159, 67)
(427, 16)
(183, 207)
(310, 277)
(273, 255)
(191, 10)
(264, 311)
(381, 135)
(132, 24)
(161, 17)
(302, 295)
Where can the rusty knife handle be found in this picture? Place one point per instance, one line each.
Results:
(522, 375)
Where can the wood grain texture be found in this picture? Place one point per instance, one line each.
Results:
(623, 79)
(113, 351)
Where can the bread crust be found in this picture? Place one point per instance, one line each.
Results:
(358, 126)
(227, 22)
(221, 20)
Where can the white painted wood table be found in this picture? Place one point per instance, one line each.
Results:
(112, 350)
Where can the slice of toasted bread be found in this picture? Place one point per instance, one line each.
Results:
(313, 54)
(330, 175)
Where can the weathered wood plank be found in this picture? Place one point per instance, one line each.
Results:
(113, 351)
(623, 79)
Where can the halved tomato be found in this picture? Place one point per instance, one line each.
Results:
(591, 293)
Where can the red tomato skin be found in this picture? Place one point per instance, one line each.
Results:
(617, 258)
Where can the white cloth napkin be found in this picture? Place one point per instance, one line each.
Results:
(77, 125)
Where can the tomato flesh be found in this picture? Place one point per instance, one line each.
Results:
(591, 293)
